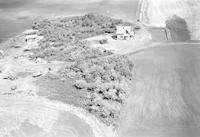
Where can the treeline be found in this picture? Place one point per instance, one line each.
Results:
(76, 28)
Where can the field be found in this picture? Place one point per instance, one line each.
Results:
(69, 77)
(164, 99)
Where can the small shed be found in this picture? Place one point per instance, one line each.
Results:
(30, 32)
(30, 37)
(125, 32)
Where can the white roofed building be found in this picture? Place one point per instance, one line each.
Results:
(125, 32)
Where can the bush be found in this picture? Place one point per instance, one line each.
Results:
(80, 84)
(103, 41)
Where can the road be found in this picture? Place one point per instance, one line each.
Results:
(165, 95)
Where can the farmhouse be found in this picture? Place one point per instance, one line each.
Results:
(124, 32)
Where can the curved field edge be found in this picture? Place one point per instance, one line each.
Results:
(98, 129)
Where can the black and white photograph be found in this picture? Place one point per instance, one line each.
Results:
(99, 68)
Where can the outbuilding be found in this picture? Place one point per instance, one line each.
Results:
(124, 32)
(30, 35)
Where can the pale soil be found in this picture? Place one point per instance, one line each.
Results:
(146, 37)
(158, 34)
(24, 111)
(165, 98)
(17, 65)
(31, 116)
(143, 39)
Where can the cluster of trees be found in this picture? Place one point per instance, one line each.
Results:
(100, 72)
(106, 99)
(62, 35)
(178, 28)
(69, 52)
(106, 80)
(76, 28)
(107, 68)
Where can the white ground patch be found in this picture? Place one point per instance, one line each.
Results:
(42, 115)
(142, 40)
